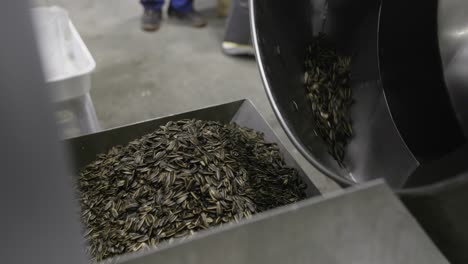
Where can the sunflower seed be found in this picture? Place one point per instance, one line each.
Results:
(184, 177)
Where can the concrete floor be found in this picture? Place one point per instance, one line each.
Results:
(146, 75)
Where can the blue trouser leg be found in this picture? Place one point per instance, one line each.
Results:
(152, 4)
(182, 5)
(179, 5)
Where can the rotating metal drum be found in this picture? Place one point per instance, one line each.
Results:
(408, 77)
(281, 33)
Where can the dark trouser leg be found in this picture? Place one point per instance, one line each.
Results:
(184, 11)
(151, 18)
(152, 4)
(182, 5)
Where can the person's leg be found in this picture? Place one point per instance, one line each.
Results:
(152, 16)
(182, 5)
(237, 39)
(184, 11)
(152, 4)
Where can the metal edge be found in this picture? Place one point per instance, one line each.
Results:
(312, 189)
(430, 189)
(255, 218)
(305, 153)
(77, 37)
(383, 90)
(240, 102)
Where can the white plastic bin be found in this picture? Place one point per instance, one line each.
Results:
(67, 65)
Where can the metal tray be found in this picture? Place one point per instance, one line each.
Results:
(366, 224)
(303, 228)
(85, 148)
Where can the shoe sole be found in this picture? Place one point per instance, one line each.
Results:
(150, 28)
(181, 21)
(199, 25)
(235, 49)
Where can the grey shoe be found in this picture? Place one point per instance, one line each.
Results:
(151, 20)
(192, 18)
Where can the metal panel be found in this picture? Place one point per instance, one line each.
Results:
(453, 44)
(440, 208)
(39, 220)
(413, 80)
(364, 225)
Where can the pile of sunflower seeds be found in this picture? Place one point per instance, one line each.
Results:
(184, 177)
(327, 82)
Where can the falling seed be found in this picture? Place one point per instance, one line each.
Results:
(330, 94)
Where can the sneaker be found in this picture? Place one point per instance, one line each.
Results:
(151, 20)
(237, 40)
(237, 49)
(192, 17)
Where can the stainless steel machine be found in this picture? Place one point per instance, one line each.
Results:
(363, 223)
(409, 84)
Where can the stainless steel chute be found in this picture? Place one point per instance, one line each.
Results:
(281, 33)
(410, 87)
